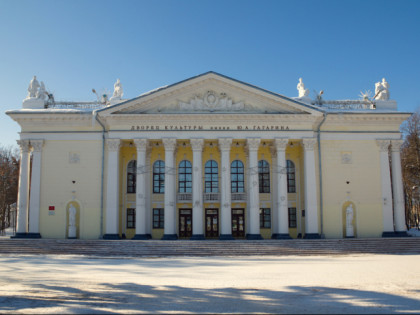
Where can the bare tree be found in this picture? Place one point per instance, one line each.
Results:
(9, 180)
(410, 160)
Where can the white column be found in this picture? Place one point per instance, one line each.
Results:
(225, 190)
(311, 200)
(254, 192)
(170, 186)
(387, 216)
(148, 193)
(34, 202)
(141, 210)
(23, 189)
(197, 189)
(397, 189)
(281, 204)
(112, 193)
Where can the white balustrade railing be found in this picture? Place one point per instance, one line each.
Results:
(238, 197)
(184, 197)
(211, 197)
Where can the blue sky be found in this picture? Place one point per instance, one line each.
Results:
(341, 47)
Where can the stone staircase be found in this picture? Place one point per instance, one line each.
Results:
(158, 248)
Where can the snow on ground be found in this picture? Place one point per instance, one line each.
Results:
(292, 284)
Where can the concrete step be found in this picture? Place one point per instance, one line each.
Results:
(134, 248)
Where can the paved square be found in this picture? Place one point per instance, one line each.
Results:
(315, 284)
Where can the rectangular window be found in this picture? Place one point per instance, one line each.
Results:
(265, 218)
(292, 218)
(158, 217)
(131, 218)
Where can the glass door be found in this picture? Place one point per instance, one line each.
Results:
(238, 223)
(212, 223)
(185, 223)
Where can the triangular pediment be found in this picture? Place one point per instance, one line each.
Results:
(210, 93)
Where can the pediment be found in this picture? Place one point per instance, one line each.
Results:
(210, 93)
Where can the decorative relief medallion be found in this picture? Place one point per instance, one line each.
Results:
(224, 169)
(211, 101)
(254, 183)
(346, 158)
(282, 198)
(226, 205)
(196, 169)
(74, 158)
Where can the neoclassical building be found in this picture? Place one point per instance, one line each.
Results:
(210, 157)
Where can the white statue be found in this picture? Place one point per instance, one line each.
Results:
(41, 93)
(382, 90)
(72, 222)
(301, 88)
(349, 221)
(118, 90)
(33, 88)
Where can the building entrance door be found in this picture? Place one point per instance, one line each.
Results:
(238, 223)
(212, 223)
(185, 223)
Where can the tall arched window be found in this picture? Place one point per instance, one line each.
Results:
(131, 177)
(237, 177)
(211, 177)
(185, 177)
(264, 176)
(159, 177)
(291, 177)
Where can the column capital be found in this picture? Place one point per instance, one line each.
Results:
(24, 145)
(169, 144)
(113, 144)
(253, 143)
(309, 143)
(141, 144)
(37, 145)
(225, 143)
(396, 145)
(383, 145)
(281, 143)
(197, 144)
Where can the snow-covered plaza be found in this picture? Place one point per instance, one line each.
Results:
(292, 284)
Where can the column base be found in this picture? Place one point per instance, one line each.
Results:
(312, 236)
(141, 237)
(111, 237)
(226, 237)
(281, 236)
(395, 234)
(254, 237)
(26, 235)
(197, 237)
(170, 237)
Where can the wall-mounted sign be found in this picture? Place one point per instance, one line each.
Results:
(51, 210)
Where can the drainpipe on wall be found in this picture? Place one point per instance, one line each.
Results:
(321, 202)
(102, 172)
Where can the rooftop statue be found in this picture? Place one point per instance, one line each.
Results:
(42, 92)
(301, 88)
(33, 88)
(118, 90)
(382, 90)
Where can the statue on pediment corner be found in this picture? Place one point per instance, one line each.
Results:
(33, 87)
(118, 91)
(301, 89)
(382, 90)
